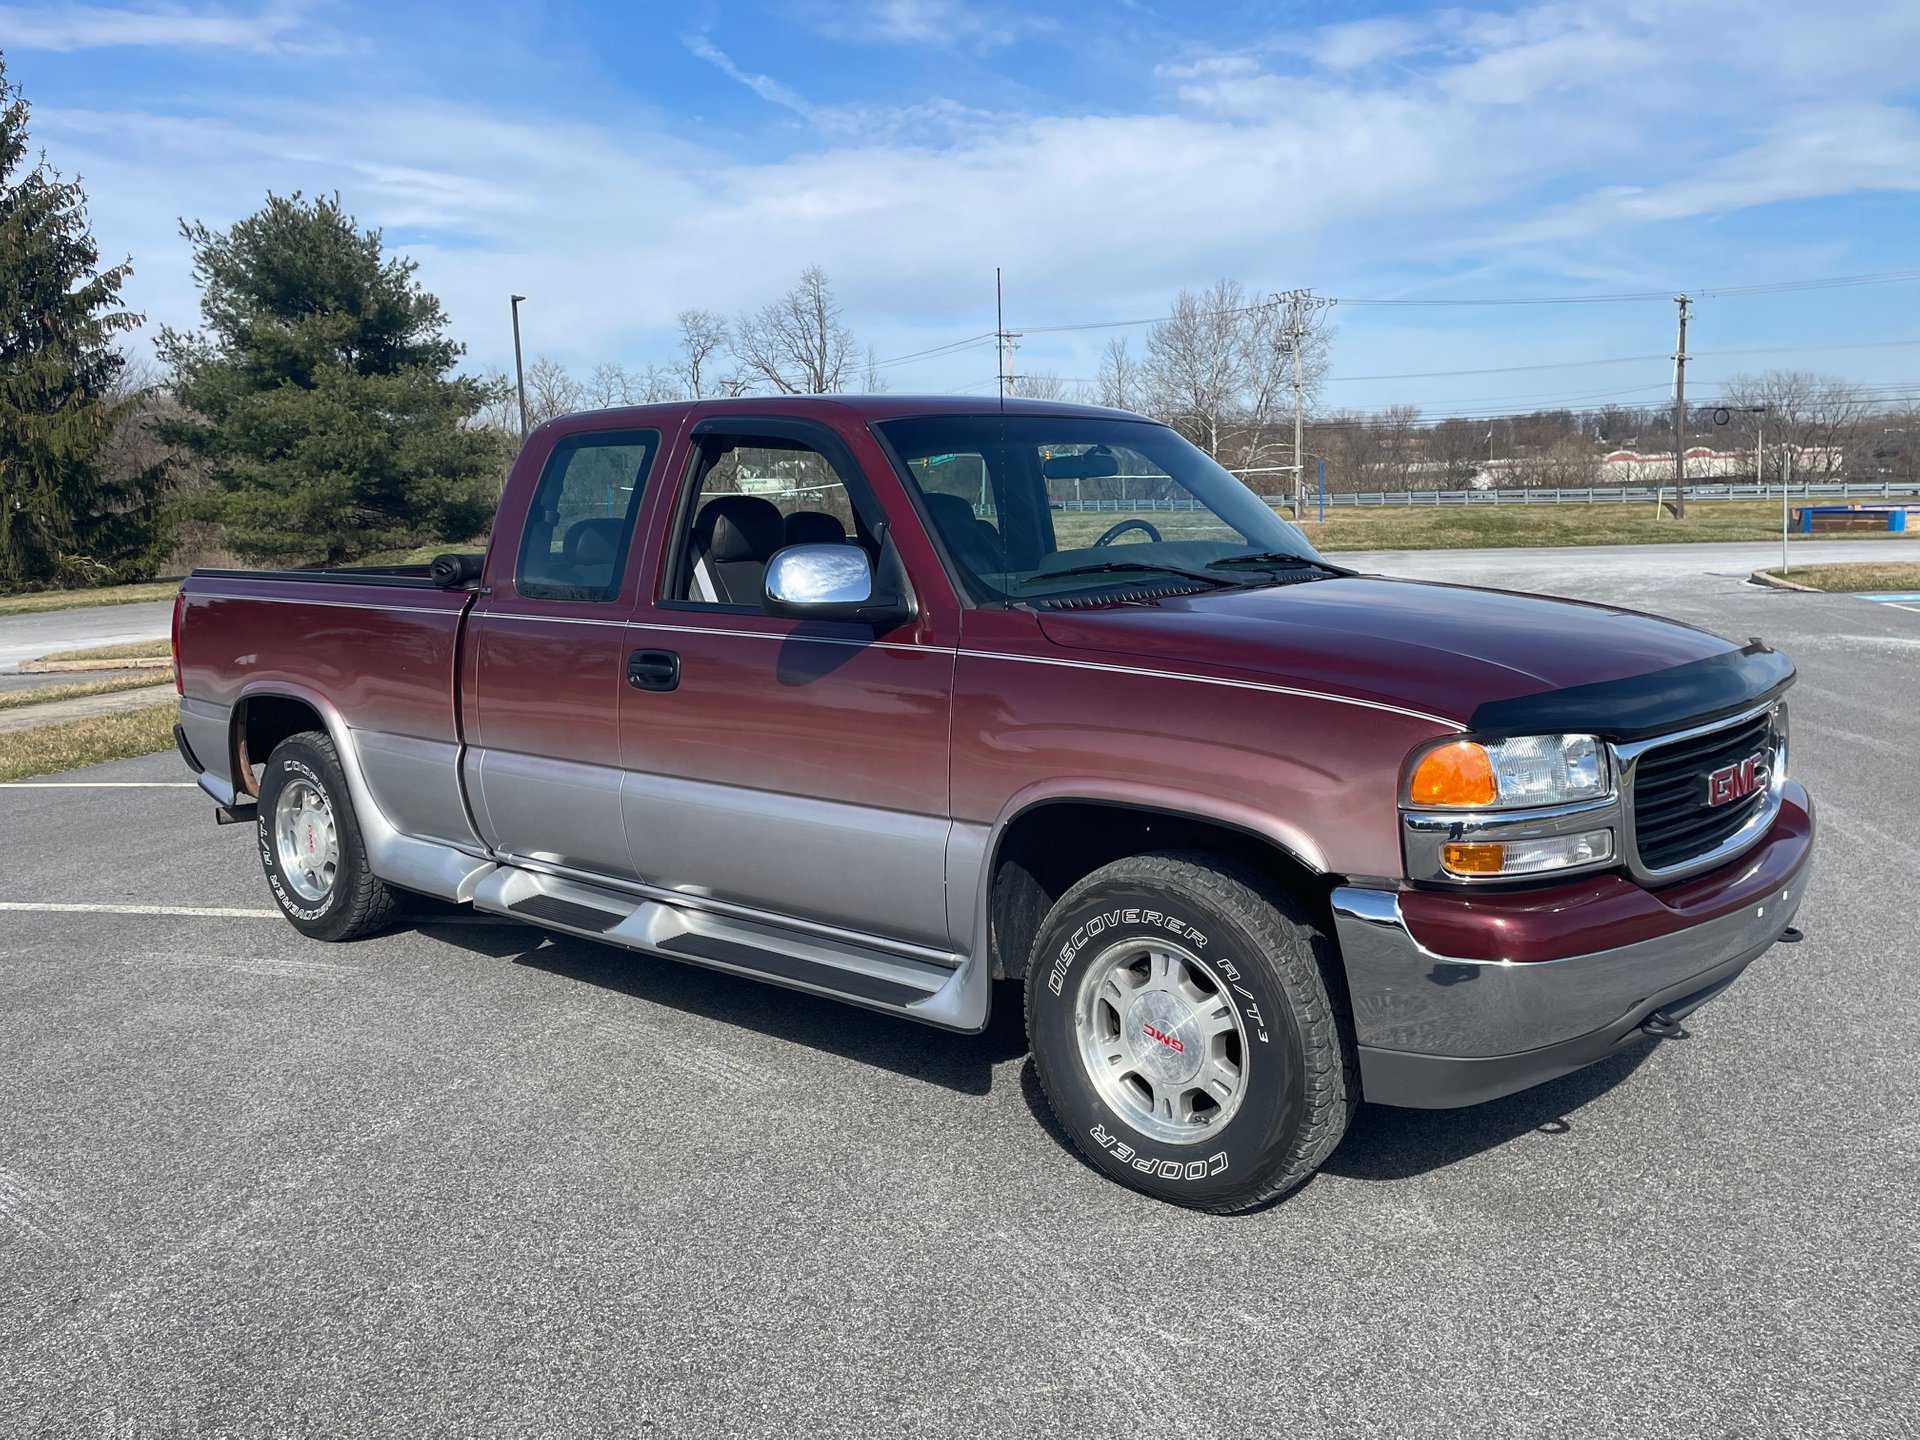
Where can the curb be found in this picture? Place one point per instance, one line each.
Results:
(61, 667)
(1759, 577)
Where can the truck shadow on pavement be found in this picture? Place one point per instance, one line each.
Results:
(1388, 1143)
(1383, 1143)
(920, 1052)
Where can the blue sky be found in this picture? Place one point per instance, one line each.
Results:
(619, 162)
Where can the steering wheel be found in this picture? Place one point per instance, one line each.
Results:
(1136, 523)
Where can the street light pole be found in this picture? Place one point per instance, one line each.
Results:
(519, 371)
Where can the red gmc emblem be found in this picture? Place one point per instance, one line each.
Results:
(1736, 782)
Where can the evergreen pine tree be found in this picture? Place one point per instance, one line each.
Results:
(66, 516)
(320, 392)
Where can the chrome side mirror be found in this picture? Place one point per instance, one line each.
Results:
(831, 582)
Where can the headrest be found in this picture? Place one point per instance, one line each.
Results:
(951, 513)
(738, 527)
(593, 542)
(814, 527)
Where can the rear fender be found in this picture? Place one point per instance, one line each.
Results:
(425, 866)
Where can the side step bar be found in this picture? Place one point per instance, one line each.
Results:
(946, 991)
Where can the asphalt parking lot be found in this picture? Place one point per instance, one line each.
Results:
(469, 1178)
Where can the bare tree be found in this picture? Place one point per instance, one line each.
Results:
(551, 391)
(1044, 385)
(872, 381)
(612, 384)
(703, 335)
(1568, 461)
(1456, 449)
(797, 344)
(1198, 362)
(1817, 416)
(1220, 370)
(1120, 381)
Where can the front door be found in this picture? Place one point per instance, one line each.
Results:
(796, 768)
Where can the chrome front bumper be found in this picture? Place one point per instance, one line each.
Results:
(1435, 1031)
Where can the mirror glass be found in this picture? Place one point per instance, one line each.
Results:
(820, 575)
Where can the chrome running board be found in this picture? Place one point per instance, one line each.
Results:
(949, 991)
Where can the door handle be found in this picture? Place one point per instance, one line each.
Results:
(653, 670)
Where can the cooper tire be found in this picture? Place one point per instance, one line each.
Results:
(311, 846)
(1211, 1064)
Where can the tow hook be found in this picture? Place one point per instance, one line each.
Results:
(1663, 1027)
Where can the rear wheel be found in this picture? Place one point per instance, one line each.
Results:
(1185, 1030)
(311, 846)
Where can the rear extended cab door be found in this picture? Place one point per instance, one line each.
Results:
(545, 656)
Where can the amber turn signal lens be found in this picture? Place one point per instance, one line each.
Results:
(1456, 774)
(1474, 859)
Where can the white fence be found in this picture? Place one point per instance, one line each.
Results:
(1540, 495)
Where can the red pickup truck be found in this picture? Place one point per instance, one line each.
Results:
(888, 699)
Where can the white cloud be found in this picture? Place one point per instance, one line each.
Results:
(969, 23)
(275, 29)
(1549, 135)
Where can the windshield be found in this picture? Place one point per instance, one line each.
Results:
(1019, 500)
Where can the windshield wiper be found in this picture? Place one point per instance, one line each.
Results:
(1110, 567)
(1281, 559)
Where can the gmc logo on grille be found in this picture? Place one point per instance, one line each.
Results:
(1736, 782)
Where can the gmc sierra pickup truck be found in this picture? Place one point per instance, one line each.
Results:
(888, 699)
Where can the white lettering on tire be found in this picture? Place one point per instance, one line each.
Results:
(1215, 1164)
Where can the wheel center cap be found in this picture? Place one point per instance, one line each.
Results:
(1163, 1038)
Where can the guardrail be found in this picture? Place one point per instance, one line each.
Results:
(1538, 495)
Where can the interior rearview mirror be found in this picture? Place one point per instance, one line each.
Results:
(1095, 464)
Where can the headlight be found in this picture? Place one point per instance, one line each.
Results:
(1478, 811)
(1510, 774)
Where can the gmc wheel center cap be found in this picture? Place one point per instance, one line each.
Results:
(1163, 1039)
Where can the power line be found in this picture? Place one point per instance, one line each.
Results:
(1778, 287)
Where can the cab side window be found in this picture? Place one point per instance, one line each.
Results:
(580, 526)
(756, 495)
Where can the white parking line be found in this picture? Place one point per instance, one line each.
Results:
(229, 912)
(98, 785)
(213, 912)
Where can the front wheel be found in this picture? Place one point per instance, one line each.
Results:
(311, 846)
(1185, 1032)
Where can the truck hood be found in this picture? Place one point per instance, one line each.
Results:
(1443, 650)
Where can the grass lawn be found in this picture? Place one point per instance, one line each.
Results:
(36, 601)
(49, 748)
(1485, 526)
(1858, 579)
(79, 690)
(134, 650)
(1474, 527)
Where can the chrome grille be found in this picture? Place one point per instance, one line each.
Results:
(1673, 824)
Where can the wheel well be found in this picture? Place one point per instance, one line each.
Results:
(261, 723)
(1048, 849)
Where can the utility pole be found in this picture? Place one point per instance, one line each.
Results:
(1003, 339)
(1680, 415)
(519, 371)
(1299, 303)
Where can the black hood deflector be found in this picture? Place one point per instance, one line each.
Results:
(1642, 706)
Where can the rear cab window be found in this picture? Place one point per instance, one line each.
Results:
(579, 529)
